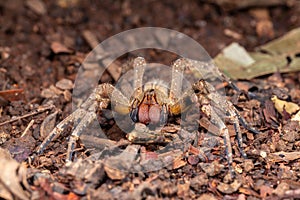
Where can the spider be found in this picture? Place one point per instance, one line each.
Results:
(152, 104)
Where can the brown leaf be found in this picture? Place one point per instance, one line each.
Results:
(12, 95)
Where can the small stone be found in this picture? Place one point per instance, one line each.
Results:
(64, 84)
(263, 154)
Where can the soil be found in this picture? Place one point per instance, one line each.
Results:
(42, 46)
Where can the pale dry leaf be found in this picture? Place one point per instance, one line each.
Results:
(281, 105)
(11, 175)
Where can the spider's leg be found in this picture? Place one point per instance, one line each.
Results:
(139, 65)
(119, 102)
(225, 134)
(245, 124)
(175, 94)
(177, 75)
(100, 93)
(235, 120)
(86, 120)
(59, 129)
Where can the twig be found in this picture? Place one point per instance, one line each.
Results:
(114, 68)
(40, 110)
(27, 128)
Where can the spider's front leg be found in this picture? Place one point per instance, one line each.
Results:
(84, 115)
(179, 102)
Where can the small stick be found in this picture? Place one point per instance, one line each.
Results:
(114, 68)
(39, 110)
(27, 128)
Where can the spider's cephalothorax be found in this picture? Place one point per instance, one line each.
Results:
(152, 103)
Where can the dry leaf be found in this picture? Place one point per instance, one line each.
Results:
(11, 177)
(279, 55)
(281, 105)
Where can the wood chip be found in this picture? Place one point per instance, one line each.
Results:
(37, 6)
(284, 156)
(58, 47)
(233, 34)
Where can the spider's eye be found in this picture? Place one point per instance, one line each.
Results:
(134, 114)
(196, 90)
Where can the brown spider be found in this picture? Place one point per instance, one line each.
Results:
(153, 104)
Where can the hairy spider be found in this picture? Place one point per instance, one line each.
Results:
(153, 104)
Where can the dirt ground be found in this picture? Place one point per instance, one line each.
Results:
(42, 43)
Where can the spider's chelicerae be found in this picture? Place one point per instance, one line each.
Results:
(152, 104)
